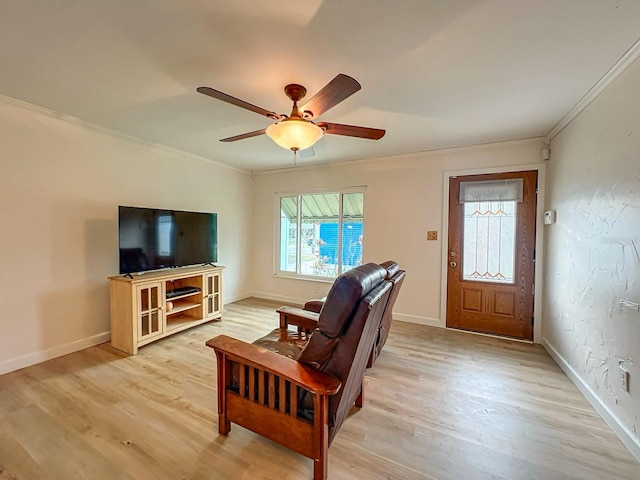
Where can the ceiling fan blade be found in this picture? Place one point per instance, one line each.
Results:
(334, 92)
(244, 135)
(237, 102)
(352, 130)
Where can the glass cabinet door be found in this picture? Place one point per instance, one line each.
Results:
(150, 322)
(212, 298)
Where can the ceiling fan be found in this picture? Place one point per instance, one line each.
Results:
(298, 131)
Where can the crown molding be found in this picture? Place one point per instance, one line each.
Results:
(109, 131)
(422, 155)
(620, 66)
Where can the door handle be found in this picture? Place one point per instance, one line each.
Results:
(453, 264)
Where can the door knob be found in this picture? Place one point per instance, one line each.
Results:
(453, 264)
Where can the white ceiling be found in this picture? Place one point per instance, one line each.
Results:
(434, 73)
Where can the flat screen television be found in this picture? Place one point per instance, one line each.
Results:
(151, 239)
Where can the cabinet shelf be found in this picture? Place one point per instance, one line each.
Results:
(182, 306)
(178, 321)
(179, 297)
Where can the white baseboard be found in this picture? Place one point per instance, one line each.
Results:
(235, 298)
(431, 322)
(13, 364)
(280, 298)
(607, 415)
(24, 361)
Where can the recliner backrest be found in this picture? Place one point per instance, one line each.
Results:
(348, 289)
(396, 276)
(396, 280)
(342, 301)
(347, 329)
(391, 267)
(349, 360)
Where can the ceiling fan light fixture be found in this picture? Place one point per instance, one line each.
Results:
(294, 133)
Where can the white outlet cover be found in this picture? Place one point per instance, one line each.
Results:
(549, 217)
(624, 378)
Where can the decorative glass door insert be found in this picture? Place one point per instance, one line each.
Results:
(489, 241)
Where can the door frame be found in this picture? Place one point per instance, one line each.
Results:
(537, 304)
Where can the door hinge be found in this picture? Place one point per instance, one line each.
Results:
(532, 320)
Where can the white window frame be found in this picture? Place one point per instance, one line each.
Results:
(278, 229)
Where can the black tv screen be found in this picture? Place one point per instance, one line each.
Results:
(151, 239)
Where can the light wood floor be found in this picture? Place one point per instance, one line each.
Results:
(439, 405)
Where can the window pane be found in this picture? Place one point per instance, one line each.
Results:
(288, 233)
(489, 241)
(320, 233)
(352, 234)
(319, 224)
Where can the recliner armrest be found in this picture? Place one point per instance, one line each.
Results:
(316, 382)
(314, 305)
(303, 319)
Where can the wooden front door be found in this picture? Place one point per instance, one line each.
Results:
(491, 255)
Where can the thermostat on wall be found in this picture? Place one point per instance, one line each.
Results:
(549, 217)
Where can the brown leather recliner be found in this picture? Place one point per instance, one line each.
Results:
(396, 276)
(300, 317)
(301, 402)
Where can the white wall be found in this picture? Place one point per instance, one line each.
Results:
(60, 185)
(593, 252)
(403, 200)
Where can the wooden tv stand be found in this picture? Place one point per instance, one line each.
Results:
(141, 312)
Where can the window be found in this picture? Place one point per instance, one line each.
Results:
(320, 233)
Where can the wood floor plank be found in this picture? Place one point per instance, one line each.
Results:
(439, 405)
(50, 445)
(15, 461)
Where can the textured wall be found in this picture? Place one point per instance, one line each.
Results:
(593, 251)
